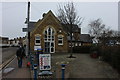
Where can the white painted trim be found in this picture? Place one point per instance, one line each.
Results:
(60, 39)
(37, 44)
(46, 29)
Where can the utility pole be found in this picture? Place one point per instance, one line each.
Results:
(28, 35)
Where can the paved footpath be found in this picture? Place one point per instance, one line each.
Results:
(86, 67)
(23, 72)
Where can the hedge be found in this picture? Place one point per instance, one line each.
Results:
(81, 49)
(111, 54)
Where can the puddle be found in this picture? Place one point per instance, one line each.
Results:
(7, 70)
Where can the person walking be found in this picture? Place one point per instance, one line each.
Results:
(20, 55)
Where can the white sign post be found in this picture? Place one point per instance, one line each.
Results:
(44, 61)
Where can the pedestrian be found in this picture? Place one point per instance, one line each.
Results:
(20, 55)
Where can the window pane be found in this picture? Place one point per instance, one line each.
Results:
(52, 49)
(49, 33)
(49, 39)
(52, 45)
(60, 41)
(52, 39)
(48, 50)
(49, 30)
(45, 44)
(60, 38)
(45, 32)
(45, 36)
(37, 41)
(37, 37)
(52, 36)
(52, 31)
(48, 36)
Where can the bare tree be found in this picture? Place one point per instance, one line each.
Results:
(115, 33)
(96, 29)
(68, 15)
(101, 34)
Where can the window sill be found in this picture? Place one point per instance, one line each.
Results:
(60, 44)
(37, 44)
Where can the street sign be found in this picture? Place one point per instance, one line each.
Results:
(37, 47)
(44, 61)
(25, 29)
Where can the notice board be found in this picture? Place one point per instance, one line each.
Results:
(44, 61)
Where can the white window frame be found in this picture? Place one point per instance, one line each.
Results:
(76, 44)
(37, 39)
(50, 38)
(60, 38)
(79, 44)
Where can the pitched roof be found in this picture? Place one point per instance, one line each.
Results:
(67, 28)
(31, 26)
(85, 38)
(44, 18)
(68, 38)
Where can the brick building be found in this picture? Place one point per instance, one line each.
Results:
(4, 41)
(52, 36)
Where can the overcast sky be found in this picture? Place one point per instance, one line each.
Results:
(14, 14)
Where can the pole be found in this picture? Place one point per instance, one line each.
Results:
(28, 17)
(63, 71)
(28, 38)
(35, 71)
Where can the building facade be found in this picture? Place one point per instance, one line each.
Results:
(52, 36)
(49, 35)
(4, 41)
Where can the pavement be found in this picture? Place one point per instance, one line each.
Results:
(11, 71)
(86, 67)
(83, 66)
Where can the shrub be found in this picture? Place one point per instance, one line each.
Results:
(81, 49)
(111, 55)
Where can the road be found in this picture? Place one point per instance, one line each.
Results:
(7, 53)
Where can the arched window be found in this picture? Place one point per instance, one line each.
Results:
(49, 40)
(49, 34)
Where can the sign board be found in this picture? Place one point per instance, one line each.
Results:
(37, 47)
(25, 29)
(44, 61)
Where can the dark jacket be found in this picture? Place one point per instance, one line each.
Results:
(20, 53)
